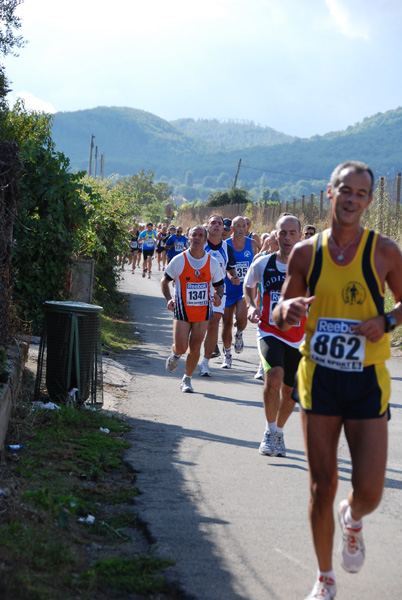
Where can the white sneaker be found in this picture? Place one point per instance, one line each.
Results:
(324, 589)
(172, 362)
(227, 362)
(351, 548)
(186, 386)
(260, 373)
(204, 371)
(238, 343)
(280, 448)
(267, 446)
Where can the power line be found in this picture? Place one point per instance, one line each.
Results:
(282, 173)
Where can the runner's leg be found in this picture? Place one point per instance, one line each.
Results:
(197, 334)
(321, 434)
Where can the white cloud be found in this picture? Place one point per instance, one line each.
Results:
(351, 25)
(33, 103)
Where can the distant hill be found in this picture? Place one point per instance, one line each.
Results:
(133, 139)
(229, 135)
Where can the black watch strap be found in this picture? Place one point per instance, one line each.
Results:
(390, 323)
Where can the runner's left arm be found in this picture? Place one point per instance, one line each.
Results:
(293, 303)
(253, 276)
(231, 267)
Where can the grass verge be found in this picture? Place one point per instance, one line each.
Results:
(68, 524)
(118, 333)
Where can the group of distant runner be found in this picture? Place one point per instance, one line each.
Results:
(317, 299)
(148, 243)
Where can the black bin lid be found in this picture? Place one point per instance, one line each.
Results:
(71, 307)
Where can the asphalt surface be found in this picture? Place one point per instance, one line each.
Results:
(235, 521)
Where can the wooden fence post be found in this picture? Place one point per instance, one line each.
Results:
(321, 205)
(398, 197)
(311, 209)
(381, 202)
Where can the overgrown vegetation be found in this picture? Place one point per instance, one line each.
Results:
(64, 216)
(3, 366)
(117, 333)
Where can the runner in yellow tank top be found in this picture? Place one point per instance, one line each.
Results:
(342, 380)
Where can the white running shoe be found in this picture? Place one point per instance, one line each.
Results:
(204, 371)
(172, 362)
(186, 386)
(352, 548)
(260, 373)
(267, 446)
(227, 362)
(324, 589)
(238, 343)
(280, 448)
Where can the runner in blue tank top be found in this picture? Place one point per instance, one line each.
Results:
(244, 251)
(224, 254)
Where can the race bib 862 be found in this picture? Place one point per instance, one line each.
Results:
(336, 346)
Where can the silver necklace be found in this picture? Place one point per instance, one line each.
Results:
(343, 250)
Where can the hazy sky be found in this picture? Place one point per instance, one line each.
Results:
(303, 67)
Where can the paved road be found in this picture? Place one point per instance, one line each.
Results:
(235, 521)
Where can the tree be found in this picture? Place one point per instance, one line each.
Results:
(209, 181)
(104, 238)
(223, 179)
(275, 197)
(4, 89)
(8, 23)
(231, 196)
(140, 190)
(189, 193)
(189, 179)
(265, 195)
(46, 231)
(50, 213)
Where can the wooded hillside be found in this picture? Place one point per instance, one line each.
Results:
(210, 150)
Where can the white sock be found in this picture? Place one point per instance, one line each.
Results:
(228, 351)
(271, 427)
(279, 430)
(184, 377)
(329, 575)
(205, 362)
(349, 519)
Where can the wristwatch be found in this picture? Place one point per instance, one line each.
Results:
(390, 323)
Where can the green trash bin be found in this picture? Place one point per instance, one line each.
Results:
(70, 353)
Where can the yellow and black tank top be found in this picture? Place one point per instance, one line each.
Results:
(344, 295)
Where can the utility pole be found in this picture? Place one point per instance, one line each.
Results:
(90, 155)
(96, 160)
(237, 173)
(102, 171)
